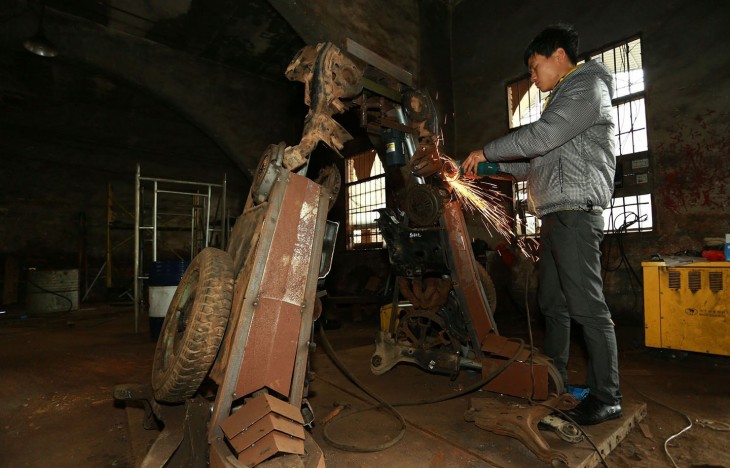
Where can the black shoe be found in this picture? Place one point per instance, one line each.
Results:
(593, 411)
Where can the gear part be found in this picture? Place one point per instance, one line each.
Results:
(424, 205)
(421, 329)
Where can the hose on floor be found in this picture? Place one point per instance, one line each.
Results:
(391, 406)
(382, 404)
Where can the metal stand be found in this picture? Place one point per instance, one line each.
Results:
(200, 195)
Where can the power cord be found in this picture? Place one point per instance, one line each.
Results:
(382, 403)
(630, 218)
(666, 442)
(391, 406)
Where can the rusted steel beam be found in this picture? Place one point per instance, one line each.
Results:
(464, 272)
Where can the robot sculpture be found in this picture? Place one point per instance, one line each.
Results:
(230, 372)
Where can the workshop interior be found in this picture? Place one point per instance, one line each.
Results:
(216, 250)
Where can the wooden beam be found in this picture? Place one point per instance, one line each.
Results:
(371, 58)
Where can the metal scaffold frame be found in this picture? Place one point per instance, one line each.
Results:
(200, 235)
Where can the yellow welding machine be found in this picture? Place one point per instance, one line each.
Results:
(686, 306)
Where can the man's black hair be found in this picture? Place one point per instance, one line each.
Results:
(550, 39)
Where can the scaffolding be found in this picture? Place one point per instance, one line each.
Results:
(202, 230)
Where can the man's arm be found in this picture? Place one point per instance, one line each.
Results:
(517, 169)
(571, 114)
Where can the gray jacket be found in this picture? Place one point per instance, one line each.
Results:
(567, 157)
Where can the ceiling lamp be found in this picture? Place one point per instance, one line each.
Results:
(39, 43)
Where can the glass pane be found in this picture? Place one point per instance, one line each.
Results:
(640, 141)
(645, 211)
(626, 143)
(631, 126)
(362, 166)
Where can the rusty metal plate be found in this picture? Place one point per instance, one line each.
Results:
(255, 409)
(269, 423)
(252, 425)
(467, 284)
(270, 445)
(505, 347)
(270, 350)
(520, 379)
(264, 426)
(242, 249)
(274, 299)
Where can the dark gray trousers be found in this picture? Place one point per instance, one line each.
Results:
(571, 287)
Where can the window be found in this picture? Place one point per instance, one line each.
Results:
(365, 183)
(628, 214)
(525, 102)
(624, 61)
(631, 208)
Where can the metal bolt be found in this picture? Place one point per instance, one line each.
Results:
(376, 361)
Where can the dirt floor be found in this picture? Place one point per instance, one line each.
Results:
(57, 373)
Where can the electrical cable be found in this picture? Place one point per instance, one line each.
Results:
(390, 406)
(359, 448)
(623, 258)
(666, 442)
(473, 387)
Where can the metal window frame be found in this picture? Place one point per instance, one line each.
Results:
(352, 240)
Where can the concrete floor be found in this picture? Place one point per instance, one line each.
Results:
(56, 408)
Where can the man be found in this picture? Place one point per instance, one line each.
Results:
(567, 158)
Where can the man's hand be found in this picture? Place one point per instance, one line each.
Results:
(469, 166)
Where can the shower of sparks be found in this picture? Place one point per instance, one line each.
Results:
(487, 202)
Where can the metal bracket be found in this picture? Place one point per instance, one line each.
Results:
(520, 422)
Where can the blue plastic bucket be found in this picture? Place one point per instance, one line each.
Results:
(167, 272)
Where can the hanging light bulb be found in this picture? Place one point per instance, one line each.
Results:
(39, 43)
